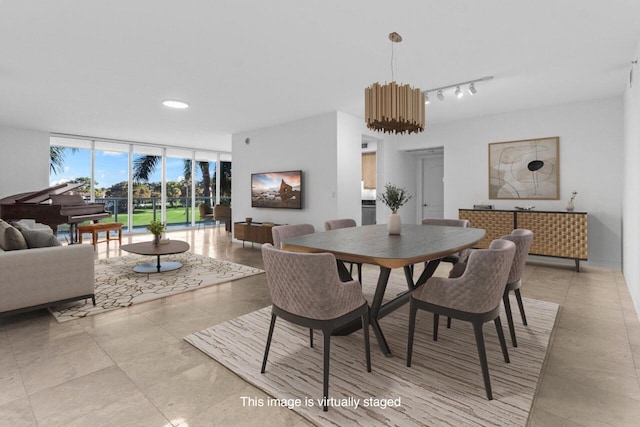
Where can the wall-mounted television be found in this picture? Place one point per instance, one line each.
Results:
(276, 190)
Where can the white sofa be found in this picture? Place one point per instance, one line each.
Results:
(40, 277)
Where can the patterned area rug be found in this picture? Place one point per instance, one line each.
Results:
(444, 386)
(117, 285)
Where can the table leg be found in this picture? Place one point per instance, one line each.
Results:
(374, 311)
(378, 310)
(343, 273)
(158, 264)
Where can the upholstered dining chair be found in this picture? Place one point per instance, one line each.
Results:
(283, 232)
(473, 297)
(457, 257)
(305, 290)
(335, 224)
(522, 239)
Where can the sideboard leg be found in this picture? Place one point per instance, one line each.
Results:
(577, 265)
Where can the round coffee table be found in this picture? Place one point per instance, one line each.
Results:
(149, 249)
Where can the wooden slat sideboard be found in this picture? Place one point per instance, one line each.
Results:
(254, 232)
(555, 233)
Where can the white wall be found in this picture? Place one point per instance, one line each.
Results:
(398, 168)
(326, 148)
(349, 172)
(631, 186)
(591, 143)
(24, 164)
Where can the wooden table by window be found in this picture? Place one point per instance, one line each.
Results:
(372, 244)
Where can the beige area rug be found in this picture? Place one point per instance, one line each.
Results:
(444, 386)
(117, 285)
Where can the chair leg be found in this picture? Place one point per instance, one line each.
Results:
(503, 343)
(448, 322)
(521, 306)
(310, 337)
(367, 348)
(325, 382)
(266, 350)
(412, 327)
(436, 321)
(507, 310)
(482, 354)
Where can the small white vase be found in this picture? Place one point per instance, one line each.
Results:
(394, 225)
(570, 206)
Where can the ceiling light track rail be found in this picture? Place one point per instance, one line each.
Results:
(482, 79)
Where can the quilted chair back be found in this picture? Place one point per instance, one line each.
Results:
(481, 286)
(283, 232)
(308, 284)
(522, 239)
(335, 224)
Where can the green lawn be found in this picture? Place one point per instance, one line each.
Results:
(142, 217)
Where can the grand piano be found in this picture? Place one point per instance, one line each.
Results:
(53, 206)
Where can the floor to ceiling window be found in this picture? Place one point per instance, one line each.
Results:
(137, 182)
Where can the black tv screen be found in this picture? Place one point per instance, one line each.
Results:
(276, 190)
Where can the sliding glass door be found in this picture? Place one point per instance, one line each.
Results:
(139, 183)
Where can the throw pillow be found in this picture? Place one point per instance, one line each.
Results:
(40, 239)
(20, 226)
(10, 238)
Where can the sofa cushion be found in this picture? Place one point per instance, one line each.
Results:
(11, 238)
(31, 224)
(40, 239)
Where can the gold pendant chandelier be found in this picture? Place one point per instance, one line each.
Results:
(392, 107)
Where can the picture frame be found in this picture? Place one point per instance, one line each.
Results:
(525, 169)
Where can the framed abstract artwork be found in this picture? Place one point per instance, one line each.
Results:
(527, 169)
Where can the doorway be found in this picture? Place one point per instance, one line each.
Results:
(369, 180)
(432, 171)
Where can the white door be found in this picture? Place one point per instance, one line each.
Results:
(433, 186)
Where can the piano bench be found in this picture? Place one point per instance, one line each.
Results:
(96, 228)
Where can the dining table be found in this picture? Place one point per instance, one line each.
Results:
(416, 245)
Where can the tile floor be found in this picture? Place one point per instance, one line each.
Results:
(130, 367)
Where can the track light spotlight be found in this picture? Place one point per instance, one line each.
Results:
(426, 99)
(459, 93)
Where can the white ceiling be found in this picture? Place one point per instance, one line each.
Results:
(102, 68)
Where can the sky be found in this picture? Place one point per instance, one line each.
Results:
(111, 168)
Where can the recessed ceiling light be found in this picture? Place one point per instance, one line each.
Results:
(172, 103)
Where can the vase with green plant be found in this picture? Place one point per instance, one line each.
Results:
(156, 228)
(394, 197)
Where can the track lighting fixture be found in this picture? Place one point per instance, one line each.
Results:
(459, 93)
(426, 99)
